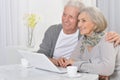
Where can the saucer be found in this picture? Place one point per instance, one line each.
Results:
(75, 76)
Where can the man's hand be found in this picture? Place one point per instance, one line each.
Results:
(54, 61)
(113, 37)
(62, 61)
(59, 62)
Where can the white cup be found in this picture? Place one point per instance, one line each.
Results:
(24, 62)
(72, 71)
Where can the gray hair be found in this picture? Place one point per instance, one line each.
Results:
(97, 17)
(75, 3)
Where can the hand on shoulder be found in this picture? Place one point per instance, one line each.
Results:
(113, 37)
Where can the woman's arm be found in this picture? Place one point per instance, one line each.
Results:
(106, 64)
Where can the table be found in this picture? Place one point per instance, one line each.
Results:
(18, 72)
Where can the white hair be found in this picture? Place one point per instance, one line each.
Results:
(75, 3)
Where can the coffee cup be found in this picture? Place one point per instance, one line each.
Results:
(24, 62)
(71, 71)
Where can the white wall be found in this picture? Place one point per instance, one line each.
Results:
(49, 12)
(111, 10)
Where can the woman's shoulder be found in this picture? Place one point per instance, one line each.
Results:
(104, 42)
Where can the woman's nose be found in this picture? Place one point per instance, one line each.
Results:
(79, 24)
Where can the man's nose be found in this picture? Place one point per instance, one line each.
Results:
(66, 18)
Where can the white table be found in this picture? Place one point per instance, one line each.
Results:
(18, 72)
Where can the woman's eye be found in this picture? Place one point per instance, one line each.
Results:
(82, 20)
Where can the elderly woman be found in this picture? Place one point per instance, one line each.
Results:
(94, 54)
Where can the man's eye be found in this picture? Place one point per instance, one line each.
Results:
(83, 20)
(64, 15)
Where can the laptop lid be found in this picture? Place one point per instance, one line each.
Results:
(40, 61)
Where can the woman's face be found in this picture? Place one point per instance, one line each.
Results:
(85, 24)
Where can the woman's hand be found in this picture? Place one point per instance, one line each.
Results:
(113, 37)
(103, 77)
(68, 62)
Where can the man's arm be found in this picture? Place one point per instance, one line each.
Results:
(45, 46)
(113, 37)
(49, 40)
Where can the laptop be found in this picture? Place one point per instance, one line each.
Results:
(41, 61)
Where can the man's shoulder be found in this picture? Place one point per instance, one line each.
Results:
(55, 27)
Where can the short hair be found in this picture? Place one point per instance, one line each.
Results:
(96, 17)
(75, 3)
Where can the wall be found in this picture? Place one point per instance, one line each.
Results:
(111, 10)
(49, 12)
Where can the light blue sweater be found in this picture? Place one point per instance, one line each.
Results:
(104, 59)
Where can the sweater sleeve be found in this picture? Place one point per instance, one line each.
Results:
(45, 46)
(106, 64)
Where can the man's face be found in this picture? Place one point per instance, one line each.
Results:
(69, 19)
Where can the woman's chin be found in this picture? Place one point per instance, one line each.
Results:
(82, 33)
